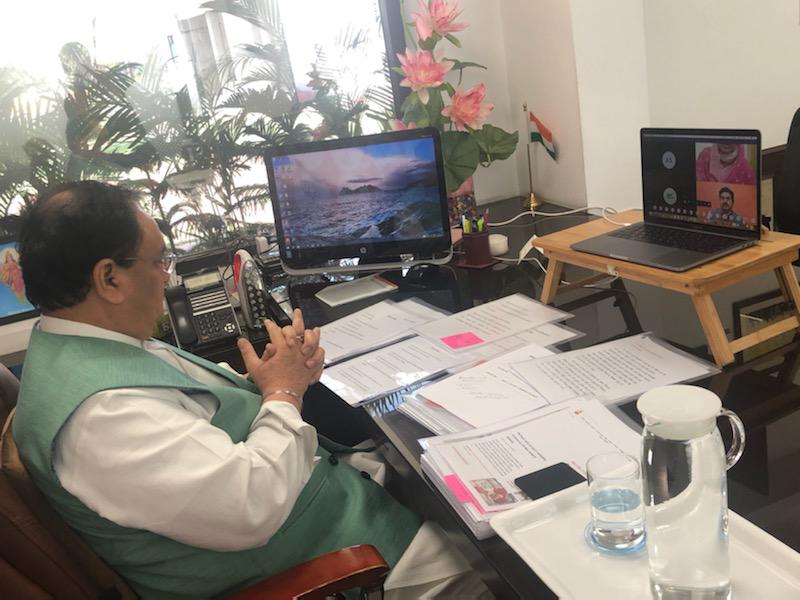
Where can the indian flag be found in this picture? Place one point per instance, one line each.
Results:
(541, 134)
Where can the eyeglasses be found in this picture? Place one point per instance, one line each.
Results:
(166, 260)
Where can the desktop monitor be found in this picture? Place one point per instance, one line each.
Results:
(14, 306)
(376, 198)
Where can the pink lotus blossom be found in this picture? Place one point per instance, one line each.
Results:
(398, 125)
(437, 16)
(466, 109)
(465, 189)
(423, 71)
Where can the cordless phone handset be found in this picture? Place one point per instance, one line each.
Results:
(251, 290)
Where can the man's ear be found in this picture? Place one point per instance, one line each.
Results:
(108, 281)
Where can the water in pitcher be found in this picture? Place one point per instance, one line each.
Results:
(685, 492)
(688, 532)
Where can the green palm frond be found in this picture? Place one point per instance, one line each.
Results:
(264, 14)
(269, 102)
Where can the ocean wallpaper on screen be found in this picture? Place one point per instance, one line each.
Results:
(369, 194)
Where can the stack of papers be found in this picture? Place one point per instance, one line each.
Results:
(527, 379)
(490, 322)
(390, 369)
(432, 416)
(375, 355)
(475, 470)
(374, 327)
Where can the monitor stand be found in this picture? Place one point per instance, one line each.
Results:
(365, 265)
(363, 287)
(356, 289)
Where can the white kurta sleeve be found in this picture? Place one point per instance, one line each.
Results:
(150, 459)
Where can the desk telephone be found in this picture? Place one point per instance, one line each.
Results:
(201, 312)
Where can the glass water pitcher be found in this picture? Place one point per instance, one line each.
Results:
(685, 492)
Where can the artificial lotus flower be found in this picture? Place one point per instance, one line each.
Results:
(398, 125)
(467, 142)
(423, 71)
(437, 16)
(467, 110)
(465, 189)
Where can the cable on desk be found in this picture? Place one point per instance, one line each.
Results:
(604, 211)
(612, 279)
(519, 260)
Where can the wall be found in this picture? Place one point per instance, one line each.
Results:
(527, 48)
(541, 71)
(724, 64)
(613, 96)
(482, 42)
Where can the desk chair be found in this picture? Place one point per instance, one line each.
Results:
(786, 207)
(9, 388)
(43, 558)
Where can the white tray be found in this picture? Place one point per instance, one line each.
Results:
(548, 535)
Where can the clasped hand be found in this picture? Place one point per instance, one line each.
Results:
(292, 360)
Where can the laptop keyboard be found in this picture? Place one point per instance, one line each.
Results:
(685, 239)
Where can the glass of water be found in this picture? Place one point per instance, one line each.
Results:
(615, 492)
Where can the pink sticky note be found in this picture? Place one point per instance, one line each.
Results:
(456, 486)
(462, 340)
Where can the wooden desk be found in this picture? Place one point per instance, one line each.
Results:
(775, 251)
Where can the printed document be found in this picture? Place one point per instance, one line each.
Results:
(390, 369)
(490, 322)
(491, 391)
(373, 327)
(546, 336)
(484, 462)
(611, 372)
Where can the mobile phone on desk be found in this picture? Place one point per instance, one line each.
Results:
(549, 480)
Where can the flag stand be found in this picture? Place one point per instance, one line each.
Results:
(533, 203)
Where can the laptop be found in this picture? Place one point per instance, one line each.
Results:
(702, 199)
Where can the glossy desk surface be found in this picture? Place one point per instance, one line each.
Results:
(763, 487)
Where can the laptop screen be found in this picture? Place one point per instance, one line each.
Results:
(706, 179)
(14, 306)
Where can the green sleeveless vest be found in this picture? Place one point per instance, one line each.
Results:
(336, 508)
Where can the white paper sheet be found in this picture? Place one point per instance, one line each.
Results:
(546, 336)
(489, 392)
(611, 372)
(373, 327)
(490, 322)
(438, 420)
(389, 369)
(487, 460)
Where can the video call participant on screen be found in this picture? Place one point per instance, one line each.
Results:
(726, 163)
(725, 215)
(188, 479)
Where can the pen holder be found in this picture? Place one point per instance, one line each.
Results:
(476, 249)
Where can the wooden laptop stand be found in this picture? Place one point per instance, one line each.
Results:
(775, 251)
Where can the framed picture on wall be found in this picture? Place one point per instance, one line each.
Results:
(757, 312)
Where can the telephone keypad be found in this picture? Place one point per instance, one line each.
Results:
(255, 296)
(212, 325)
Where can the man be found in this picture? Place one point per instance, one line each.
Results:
(186, 478)
(725, 215)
